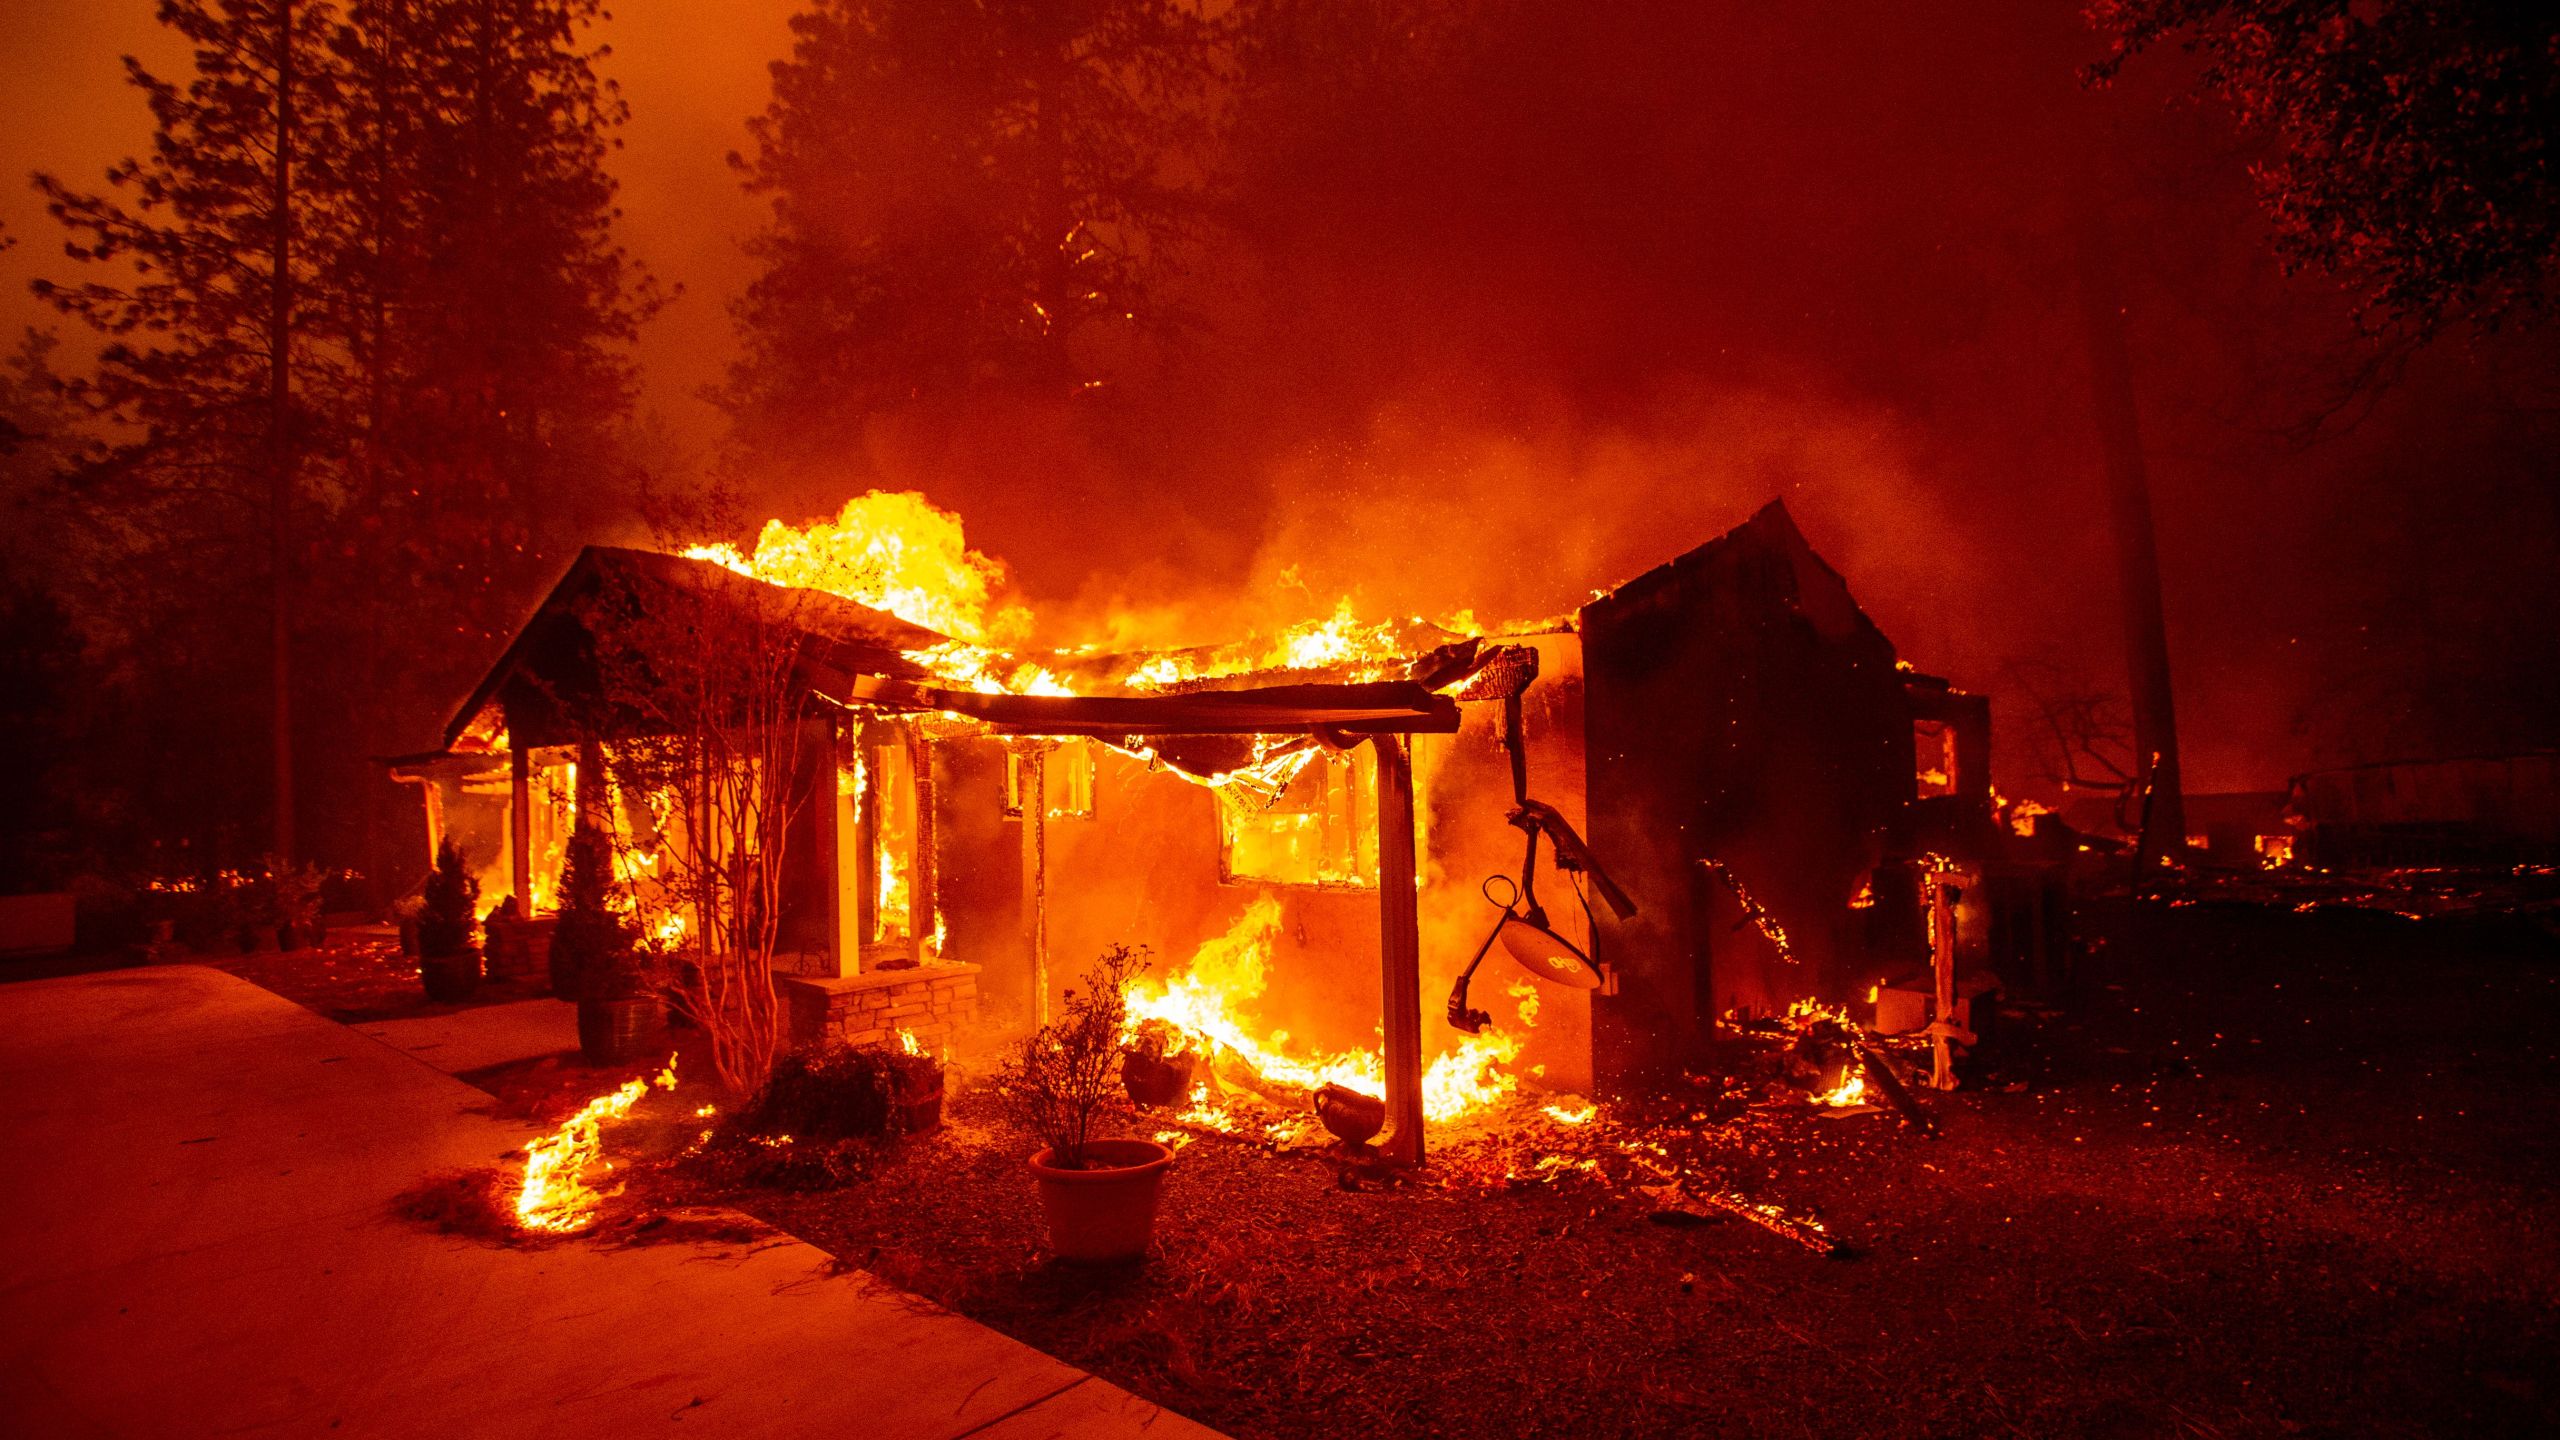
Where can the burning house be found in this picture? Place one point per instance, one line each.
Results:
(1710, 794)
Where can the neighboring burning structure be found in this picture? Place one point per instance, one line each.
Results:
(1787, 813)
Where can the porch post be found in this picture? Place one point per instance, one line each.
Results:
(1034, 768)
(828, 863)
(922, 872)
(864, 850)
(1399, 950)
(520, 825)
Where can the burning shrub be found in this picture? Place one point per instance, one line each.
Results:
(1059, 1076)
(822, 1120)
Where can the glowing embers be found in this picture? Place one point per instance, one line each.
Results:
(1752, 910)
(1205, 1003)
(555, 1197)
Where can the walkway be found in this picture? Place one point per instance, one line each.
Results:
(194, 1241)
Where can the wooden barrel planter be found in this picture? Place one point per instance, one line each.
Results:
(615, 1032)
(920, 1112)
(519, 948)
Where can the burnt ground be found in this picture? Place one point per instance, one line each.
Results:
(2262, 1174)
(2269, 1175)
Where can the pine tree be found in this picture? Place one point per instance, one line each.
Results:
(369, 329)
(965, 193)
(204, 359)
(486, 314)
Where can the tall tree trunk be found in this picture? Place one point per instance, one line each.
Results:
(1051, 273)
(2146, 635)
(279, 439)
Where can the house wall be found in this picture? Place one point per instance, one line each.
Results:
(1738, 707)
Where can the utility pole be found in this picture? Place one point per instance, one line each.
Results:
(2146, 633)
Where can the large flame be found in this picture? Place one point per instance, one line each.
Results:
(893, 551)
(1229, 972)
(555, 1196)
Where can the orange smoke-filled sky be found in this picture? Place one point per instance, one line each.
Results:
(692, 72)
(1634, 271)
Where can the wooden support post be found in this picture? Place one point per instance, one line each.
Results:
(923, 898)
(1399, 950)
(591, 797)
(1034, 768)
(520, 826)
(1942, 966)
(865, 849)
(830, 802)
(435, 814)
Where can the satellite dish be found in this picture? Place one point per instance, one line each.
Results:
(1549, 956)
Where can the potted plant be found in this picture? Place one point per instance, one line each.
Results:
(518, 944)
(297, 904)
(1156, 1065)
(447, 917)
(596, 959)
(915, 1087)
(255, 914)
(1099, 1193)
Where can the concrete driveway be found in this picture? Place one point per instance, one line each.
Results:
(194, 1240)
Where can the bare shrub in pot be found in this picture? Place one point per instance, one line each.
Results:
(1099, 1192)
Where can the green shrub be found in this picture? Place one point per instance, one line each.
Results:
(835, 1091)
(448, 911)
(595, 954)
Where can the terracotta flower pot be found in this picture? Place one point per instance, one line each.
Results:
(1106, 1211)
(611, 1032)
(451, 978)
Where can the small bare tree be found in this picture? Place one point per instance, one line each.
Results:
(2082, 734)
(700, 681)
(1058, 1077)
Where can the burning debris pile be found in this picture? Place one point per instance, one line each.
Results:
(1201, 1012)
(1239, 1084)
